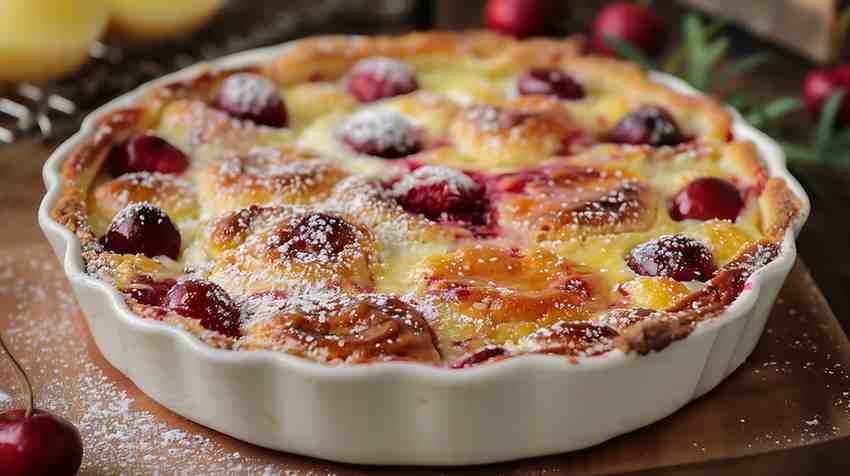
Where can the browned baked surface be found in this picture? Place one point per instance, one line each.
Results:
(294, 217)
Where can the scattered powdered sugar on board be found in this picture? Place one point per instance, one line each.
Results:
(118, 438)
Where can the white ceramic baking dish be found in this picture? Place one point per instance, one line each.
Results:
(401, 413)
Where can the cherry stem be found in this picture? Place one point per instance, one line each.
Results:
(24, 377)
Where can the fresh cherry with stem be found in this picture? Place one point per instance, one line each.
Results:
(35, 442)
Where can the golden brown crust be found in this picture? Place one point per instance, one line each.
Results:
(780, 207)
(678, 321)
(364, 223)
(329, 57)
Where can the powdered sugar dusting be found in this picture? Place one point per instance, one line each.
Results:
(249, 92)
(381, 68)
(457, 181)
(380, 129)
(119, 436)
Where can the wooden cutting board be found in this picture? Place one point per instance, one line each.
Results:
(785, 411)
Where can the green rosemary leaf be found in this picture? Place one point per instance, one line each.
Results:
(714, 27)
(742, 66)
(782, 106)
(710, 55)
(798, 153)
(629, 52)
(742, 101)
(826, 122)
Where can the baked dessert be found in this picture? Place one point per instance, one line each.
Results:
(449, 199)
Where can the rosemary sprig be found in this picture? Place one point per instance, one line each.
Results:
(765, 115)
(700, 59)
(830, 144)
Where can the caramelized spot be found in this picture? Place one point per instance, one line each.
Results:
(490, 282)
(270, 175)
(561, 202)
(572, 338)
(314, 236)
(342, 329)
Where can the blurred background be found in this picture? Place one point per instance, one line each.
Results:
(780, 62)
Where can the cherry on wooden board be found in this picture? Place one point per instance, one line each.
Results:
(35, 442)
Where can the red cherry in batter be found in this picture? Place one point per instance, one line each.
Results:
(142, 228)
(637, 25)
(383, 134)
(378, 77)
(707, 198)
(550, 82)
(442, 194)
(207, 302)
(254, 98)
(519, 18)
(149, 153)
(647, 125)
(675, 256)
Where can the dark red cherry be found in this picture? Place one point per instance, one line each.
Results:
(648, 125)
(151, 293)
(252, 97)
(317, 234)
(480, 356)
(42, 444)
(820, 84)
(706, 198)
(149, 153)
(380, 133)
(674, 256)
(116, 160)
(519, 18)
(378, 77)
(635, 24)
(442, 194)
(142, 228)
(549, 82)
(207, 302)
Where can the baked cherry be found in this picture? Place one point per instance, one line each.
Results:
(252, 97)
(378, 77)
(142, 228)
(34, 442)
(441, 194)
(648, 125)
(706, 198)
(550, 82)
(480, 356)
(317, 234)
(519, 18)
(207, 302)
(149, 153)
(380, 133)
(637, 25)
(820, 84)
(151, 293)
(116, 161)
(674, 256)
